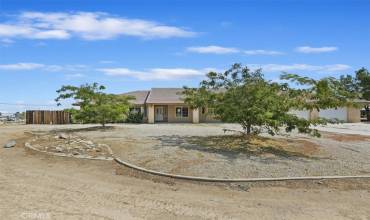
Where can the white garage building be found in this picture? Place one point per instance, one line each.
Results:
(346, 114)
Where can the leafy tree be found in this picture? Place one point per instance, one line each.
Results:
(360, 85)
(323, 93)
(95, 106)
(243, 96)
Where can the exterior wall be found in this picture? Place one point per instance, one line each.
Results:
(346, 114)
(150, 113)
(172, 114)
(353, 115)
(301, 113)
(195, 113)
(340, 113)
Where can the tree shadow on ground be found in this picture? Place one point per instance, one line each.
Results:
(234, 146)
(93, 128)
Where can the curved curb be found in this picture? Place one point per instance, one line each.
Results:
(206, 179)
(29, 146)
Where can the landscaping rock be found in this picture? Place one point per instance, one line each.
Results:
(10, 144)
(63, 136)
(88, 143)
(75, 153)
(59, 149)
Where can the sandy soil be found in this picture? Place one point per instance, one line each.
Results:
(36, 186)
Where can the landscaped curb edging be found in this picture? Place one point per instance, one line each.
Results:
(214, 180)
(29, 146)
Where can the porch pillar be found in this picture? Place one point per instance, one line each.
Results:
(196, 115)
(151, 114)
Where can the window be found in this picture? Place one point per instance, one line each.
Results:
(182, 112)
(185, 112)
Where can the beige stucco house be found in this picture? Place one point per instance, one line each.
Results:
(167, 105)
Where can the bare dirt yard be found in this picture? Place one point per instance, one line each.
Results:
(39, 186)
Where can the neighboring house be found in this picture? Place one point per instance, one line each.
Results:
(167, 105)
(345, 114)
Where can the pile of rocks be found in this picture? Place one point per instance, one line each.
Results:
(68, 144)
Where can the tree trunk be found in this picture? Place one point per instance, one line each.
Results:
(248, 129)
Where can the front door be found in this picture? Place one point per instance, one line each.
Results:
(159, 113)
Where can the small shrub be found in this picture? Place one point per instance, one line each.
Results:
(135, 118)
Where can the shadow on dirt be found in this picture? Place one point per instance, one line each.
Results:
(233, 146)
(94, 128)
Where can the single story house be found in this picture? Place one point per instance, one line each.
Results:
(167, 105)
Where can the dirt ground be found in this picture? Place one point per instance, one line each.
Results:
(36, 186)
(205, 150)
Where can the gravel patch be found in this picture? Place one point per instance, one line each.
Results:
(166, 148)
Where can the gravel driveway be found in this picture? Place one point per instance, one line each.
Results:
(169, 148)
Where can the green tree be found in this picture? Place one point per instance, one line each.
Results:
(359, 85)
(93, 105)
(324, 93)
(242, 96)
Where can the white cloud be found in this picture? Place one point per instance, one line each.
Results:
(24, 66)
(156, 73)
(213, 49)
(21, 66)
(308, 49)
(263, 52)
(300, 67)
(85, 25)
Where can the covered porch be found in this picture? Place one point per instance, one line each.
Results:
(172, 113)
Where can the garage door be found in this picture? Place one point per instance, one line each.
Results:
(340, 114)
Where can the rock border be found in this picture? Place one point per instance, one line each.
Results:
(29, 146)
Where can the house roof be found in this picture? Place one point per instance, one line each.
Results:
(140, 96)
(165, 95)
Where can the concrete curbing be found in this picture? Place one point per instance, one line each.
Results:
(218, 180)
(150, 173)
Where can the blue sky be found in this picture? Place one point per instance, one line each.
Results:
(133, 45)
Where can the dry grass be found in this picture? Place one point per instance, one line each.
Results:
(346, 137)
(256, 145)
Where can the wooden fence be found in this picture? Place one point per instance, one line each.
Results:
(47, 117)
